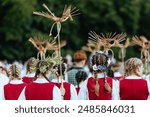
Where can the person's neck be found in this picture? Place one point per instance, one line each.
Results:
(41, 76)
(79, 64)
(15, 79)
(133, 74)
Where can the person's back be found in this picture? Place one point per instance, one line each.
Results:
(71, 74)
(104, 94)
(79, 59)
(41, 88)
(39, 91)
(99, 86)
(13, 89)
(30, 71)
(134, 87)
(80, 76)
(68, 91)
(3, 81)
(67, 87)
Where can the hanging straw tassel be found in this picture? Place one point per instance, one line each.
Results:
(62, 89)
(122, 56)
(106, 85)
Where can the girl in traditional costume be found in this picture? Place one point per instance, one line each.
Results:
(13, 89)
(41, 88)
(134, 87)
(3, 78)
(30, 71)
(69, 92)
(81, 76)
(99, 86)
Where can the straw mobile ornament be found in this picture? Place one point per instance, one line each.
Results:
(44, 46)
(122, 52)
(94, 43)
(144, 44)
(68, 13)
(103, 41)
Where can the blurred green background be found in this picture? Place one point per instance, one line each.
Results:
(17, 24)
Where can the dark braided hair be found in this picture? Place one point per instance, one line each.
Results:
(63, 68)
(99, 62)
(80, 76)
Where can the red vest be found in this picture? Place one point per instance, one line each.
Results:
(27, 79)
(13, 91)
(103, 94)
(133, 89)
(119, 78)
(78, 89)
(67, 87)
(39, 91)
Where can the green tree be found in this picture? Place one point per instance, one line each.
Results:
(18, 23)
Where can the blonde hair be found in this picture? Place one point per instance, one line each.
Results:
(116, 67)
(131, 65)
(14, 72)
(30, 65)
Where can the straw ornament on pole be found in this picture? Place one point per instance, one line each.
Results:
(145, 47)
(95, 43)
(144, 44)
(123, 47)
(68, 13)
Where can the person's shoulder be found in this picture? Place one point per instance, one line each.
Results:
(4, 77)
(73, 69)
(70, 69)
(71, 85)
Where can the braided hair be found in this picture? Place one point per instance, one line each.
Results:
(131, 65)
(100, 62)
(14, 72)
(57, 69)
(30, 64)
(42, 68)
(80, 76)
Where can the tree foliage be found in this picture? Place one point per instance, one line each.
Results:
(18, 23)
